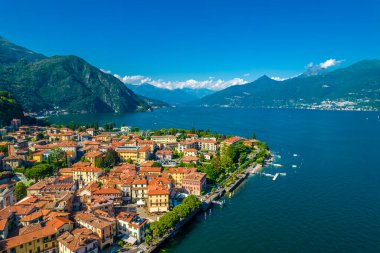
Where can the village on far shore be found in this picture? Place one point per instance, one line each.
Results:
(90, 188)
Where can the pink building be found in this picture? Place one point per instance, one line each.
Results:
(194, 183)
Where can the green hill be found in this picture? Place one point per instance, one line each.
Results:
(356, 87)
(65, 83)
(9, 108)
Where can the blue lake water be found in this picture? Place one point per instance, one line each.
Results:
(329, 201)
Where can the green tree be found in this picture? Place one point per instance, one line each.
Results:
(57, 158)
(111, 159)
(181, 210)
(39, 136)
(99, 162)
(169, 219)
(39, 171)
(109, 126)
(192, 202)
(20, 190)
(157, 228)
(148, 239)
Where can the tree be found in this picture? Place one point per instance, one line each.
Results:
(192, 202)
(111, 159)
(169, 219)
(57, 158)
(156, 164)
(39, 171)
(148, 239)
(99, 162)
(232, 153)
(210, 171)
(20, 190)
(181, 210)
(227, 163)
(109, 126)
(253, 136)
(39, 136)
(157, 228)
(73, 126)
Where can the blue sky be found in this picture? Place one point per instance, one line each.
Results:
(172, 41)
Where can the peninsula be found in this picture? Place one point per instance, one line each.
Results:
(91, 188)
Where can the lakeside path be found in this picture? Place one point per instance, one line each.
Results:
(206, 204)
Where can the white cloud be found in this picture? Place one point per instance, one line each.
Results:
(329, 63)
(136, 80)
(246, 74)
(210, 83)
(277, 78)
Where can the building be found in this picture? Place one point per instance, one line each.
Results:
(158, 198)
(103, 227)
(194, 183)
(177, 174)
(163, 138)
(12, 162)
(92, 156)
(132, 225)
(190, 159)
(86, 174)
(135, 153)
(164, 155)
(208, 145)
(40, 237)
(7, 196)
(80, 240)
(181, 146)
(15, 123)
(230, 141)
(139, 191)
(110, 193)
(145, 171)
(190, 152)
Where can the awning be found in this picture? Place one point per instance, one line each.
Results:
(129, 239)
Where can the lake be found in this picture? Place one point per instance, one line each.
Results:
(329, 201)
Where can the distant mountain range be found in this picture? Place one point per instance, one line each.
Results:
(70, 84)
(172, 97)
(356, 87)
(62, 83)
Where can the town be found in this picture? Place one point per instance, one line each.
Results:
(88, 188)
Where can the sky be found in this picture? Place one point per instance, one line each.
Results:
(200, 44)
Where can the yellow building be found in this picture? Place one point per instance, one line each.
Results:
(164, 138)
(158, 198)
(87, 174)
(137, 154)
(177, 174)
(104, 227)
(92, 156)
(40, 238)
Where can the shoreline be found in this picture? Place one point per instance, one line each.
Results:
(208, 203)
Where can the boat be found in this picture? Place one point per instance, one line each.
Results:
(294, 166)
(277, 165)
(295, 155)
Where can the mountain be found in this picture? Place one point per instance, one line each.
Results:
(356, 87)
(64, 83)
(154, 103)
(173, 97)
(9, 108)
